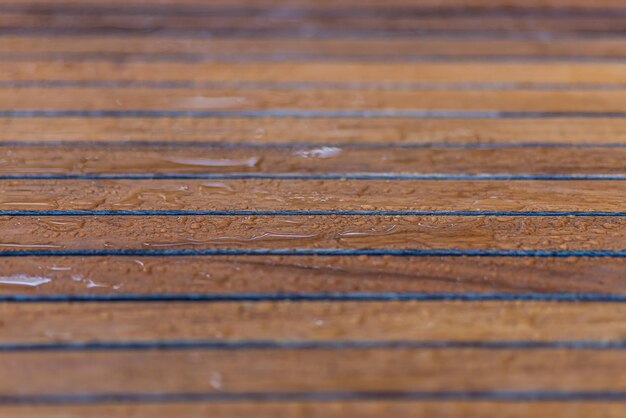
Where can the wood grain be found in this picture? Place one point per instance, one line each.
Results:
(61, 160)
(312, 89)
(311, 321)
(273, 275)
(307, 232)
(375, 370)
(250, 99)
(294, 195)
(347, 72)
(172, 48)
(319, 130)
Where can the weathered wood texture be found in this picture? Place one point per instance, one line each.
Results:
(182, 232)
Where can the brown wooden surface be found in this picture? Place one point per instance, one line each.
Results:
(349, 71)
(318, 130)
(144, 274)
(311, 232)
(312, 160)
(235, 275)
(138, 47)
(319, 99)
(312, 321)
(372, 409)
(45, 195)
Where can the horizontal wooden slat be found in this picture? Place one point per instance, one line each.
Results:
(352, 72)
(293, 195)
(306, 25)
(322, 130)
(330, 3)
(311, 321)
(366, 409)
(330, 99)
(376, 370)
(398, 49)
(312, 160)
(332, 232)
(270, 275)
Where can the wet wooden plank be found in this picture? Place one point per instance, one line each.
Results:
(319, 130)
(284, 322)
(65, 160)
(486, 233)
(310, 195)
(275, 275)
(347, 371)
(346, 72)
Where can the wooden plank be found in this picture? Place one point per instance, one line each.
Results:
(482, 322)
(305, 25)
(329, 195)
(118, 99)
(326, 3)
(19, 160)
(366, 409)
(137, 46)
(348, 371)
(347, 72)
(273, 275)
(318, 130)
(493, 233)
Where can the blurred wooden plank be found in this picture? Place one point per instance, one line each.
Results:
(71, 48)
(302, 195)
(270, 100)
(276, 322)
(329, 3)
(305, 24)
(347, 72)
(492, 233)
(348, 371)
(274, 275)
(365, 409)
(318, 130)
(65, 160)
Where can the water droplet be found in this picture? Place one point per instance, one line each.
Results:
(26, 204)
(24, 280)
(230, 239)
(218, 187)
(57, 268)
(216, 380)
(208, 162)
(171, 196)
(16, 245)
(91, 284)
(322, 152)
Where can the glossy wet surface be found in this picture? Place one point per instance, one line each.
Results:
(306, 208)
